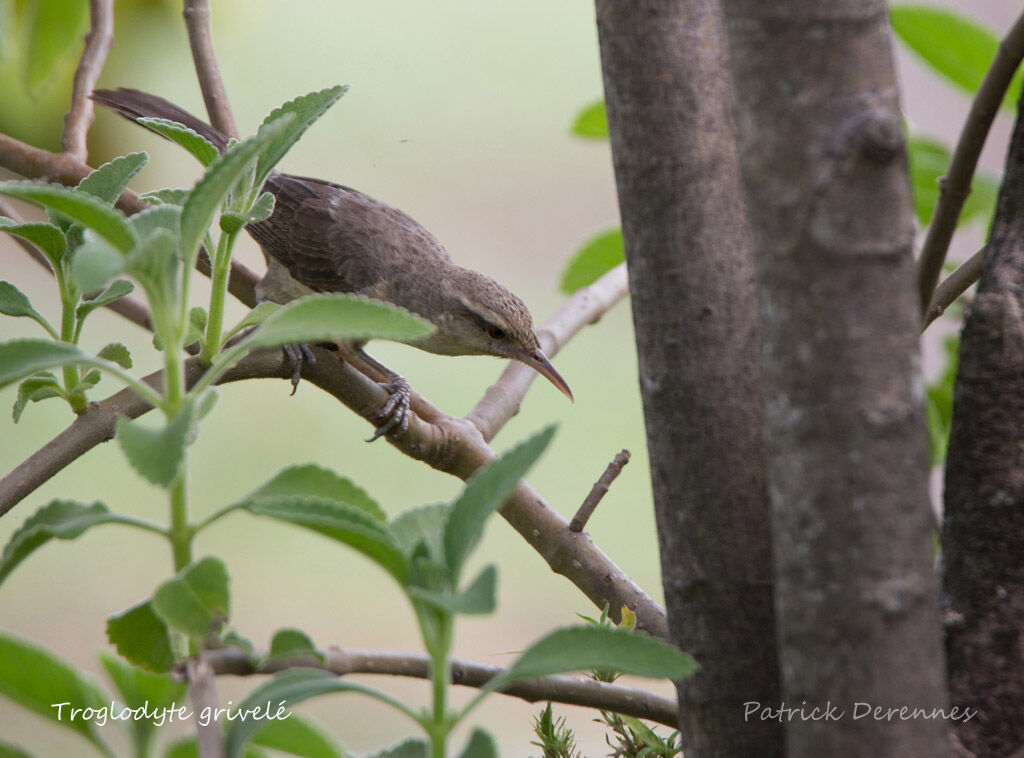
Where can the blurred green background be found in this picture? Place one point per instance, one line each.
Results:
(458, 114)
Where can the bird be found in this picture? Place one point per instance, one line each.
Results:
(326, 237)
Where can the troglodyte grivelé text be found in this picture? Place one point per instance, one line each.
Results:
(324, 237)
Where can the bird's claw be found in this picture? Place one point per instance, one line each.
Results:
(297, 355)
(394, 416)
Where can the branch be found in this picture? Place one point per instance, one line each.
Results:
(598, 491)
(956, 185)
(97, 44)
(202, 692)
(629, 701)
(501, 401)
(200, 40)
(954, 285)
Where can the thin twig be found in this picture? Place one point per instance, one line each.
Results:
(586, 306)
(202, 691)
(954, 285)
(598, 491)
(97, 44)
(200, 40)
(956, 185)
(628, 701)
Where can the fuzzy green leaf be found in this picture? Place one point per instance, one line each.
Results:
(477, 599)
(955, 47)
(80, 207)
(61, 519)
(14, 302)
(41, 386)
(115, 291)
(196, 144)
(480, 745)
(298, 114)
(316, 482)
(591, 122)
(598, 256)
(56, 30)
(95, 262)
(142, 638)
(256, 316)
(410, 748)
(289, 643)
(36, 679)
(483, 494)
(117, 353)
(111, 179)
(142, 689)
(588, 647)
(20, 359)
(297, 735)
(323, 317)
(196, 600)
(167, 196)
(157, 453)
(47, 238)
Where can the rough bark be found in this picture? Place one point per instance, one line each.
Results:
(828, 197)
(983, 529)
(695, 312)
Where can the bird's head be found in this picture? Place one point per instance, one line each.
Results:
(482, 317)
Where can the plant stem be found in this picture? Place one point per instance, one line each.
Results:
(68, 334)
(441, 725)
(181, 531)
(218, 292)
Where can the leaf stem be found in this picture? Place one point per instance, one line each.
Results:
(218, 293)
(69, 334)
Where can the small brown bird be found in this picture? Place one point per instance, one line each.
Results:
(324, 237)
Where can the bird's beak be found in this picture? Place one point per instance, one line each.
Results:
(540, 363)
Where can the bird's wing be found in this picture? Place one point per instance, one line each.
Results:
(332, 238)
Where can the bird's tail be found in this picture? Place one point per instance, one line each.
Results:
(135, 104)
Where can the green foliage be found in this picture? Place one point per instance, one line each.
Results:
(291, 643)
(929, 162)
(157, 453)
(939, 404)
(633, 738)
(47, 238)
(111, 179)
(14, 302)
(22, 358)
(36, 679)
(480, 745)
(56, 25)
(142, 638)
(591, 122)
(598, 256)
(955, 47)
(556, 739)
(297, 735)
(37, 387)
(115, 291)
(141, 689)
(195, 601)
(197, 145)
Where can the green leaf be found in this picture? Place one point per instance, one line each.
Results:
(483, 494)
(284, 691)
(588, 647)
(480, 745)
(187, 748)
(167, 196)
(423, 525)
(197, 145)
(90, 380)
(117, 353)
(95, 262)
(262, 209)
(290, 643)
(297, 115)
(158, 218)
(55, 32)
(157, 453)
(591, 121)
(952, 45)
(20, 359)
(141, 689)
(324, 317)
(115, 291)
(316, 482)
(9, 750)
(257, 315)
(84, 209)
(929, 162)
(111, 179)
(142, 638)
(939, 403)
(47, 238)
(195, 601)
(36, 679)
(598, 256)
(63, 519)
(297, 735)
(205, 199)
(339, 521)
(14, 302)
(477, 599)
(154, 264)
(41, 386)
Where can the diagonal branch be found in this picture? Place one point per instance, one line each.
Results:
(956, 185)
(97, 44)
(200, 41)
(954, 285)
(588, 693)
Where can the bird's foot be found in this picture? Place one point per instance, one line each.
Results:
(297, 355)
(394, 416)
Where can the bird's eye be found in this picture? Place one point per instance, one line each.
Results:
(496, 332)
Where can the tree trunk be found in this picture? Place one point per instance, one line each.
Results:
(983, 532)
(695, 313)
(825, 174)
